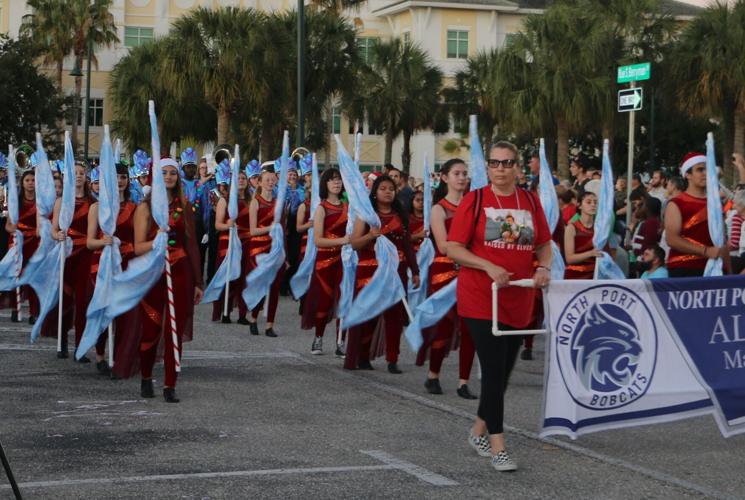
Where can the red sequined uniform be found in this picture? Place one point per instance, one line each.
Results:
(440, 339)
(584, 270)
(694, 228)
(262, 244)
(416, 224)
(322, 297)
(183, 255)
(76, 290)
(27, 226)
(236, 286)
(365, 341)
(304, 238)
(125, 324)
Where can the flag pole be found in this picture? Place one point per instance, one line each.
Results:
(172, 314)
(225, 318)
(18, 276)
(61, 294)
(110, 347)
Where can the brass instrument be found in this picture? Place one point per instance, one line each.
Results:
(223, 151)
(299, 153)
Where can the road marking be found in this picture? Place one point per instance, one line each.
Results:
(99, 409)
(390, 463)
(580, 450)
(413, 469)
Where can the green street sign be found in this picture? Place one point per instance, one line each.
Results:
(634, 73)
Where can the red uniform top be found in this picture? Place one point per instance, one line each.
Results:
(78, 231)
(125, 231)
(244, 231)
(506, 231)
(694, 228)
(416, 224)
(334, 227)
(27, 226)
(582, 243)
(265, 218)
(393, 229)
(442, 271)
(304, 238)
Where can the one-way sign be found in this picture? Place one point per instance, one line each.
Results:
(630, 100)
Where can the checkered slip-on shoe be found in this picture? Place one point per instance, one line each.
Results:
(502, 462)
(480, 444)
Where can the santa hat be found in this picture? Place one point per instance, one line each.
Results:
(690, 160)
(167, 161)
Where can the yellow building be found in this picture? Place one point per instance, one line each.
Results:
(448, 30)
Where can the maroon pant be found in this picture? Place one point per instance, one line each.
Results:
(273, 299)
(360, 339)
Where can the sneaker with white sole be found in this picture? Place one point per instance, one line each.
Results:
(317, 347)
(502, 462)
(480, 444)
(340, 350)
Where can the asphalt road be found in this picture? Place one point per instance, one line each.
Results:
(263, 418)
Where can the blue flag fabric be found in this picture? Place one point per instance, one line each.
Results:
(713, 208)
(384, 288)
(479, 178)
(300, 283)
(349, 258)
(259, 281)
(429, 312)
(550, 204)
(42, 271)
(230, 267)
(426, 253)
(606, 267)
(11, 263)
(110, 262)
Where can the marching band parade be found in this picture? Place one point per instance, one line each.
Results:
(123, 254)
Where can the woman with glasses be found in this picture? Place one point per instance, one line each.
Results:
(497, 234)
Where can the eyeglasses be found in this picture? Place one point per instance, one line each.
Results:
(504, 163)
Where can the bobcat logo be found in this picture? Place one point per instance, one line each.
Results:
(606, 346)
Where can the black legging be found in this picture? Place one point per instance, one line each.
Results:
(497, 356)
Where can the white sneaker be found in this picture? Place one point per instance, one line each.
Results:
(502, 462)
(317, 347)
(480, 444)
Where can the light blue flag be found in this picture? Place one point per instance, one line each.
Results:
(550, 204)
(349, 257)
(429, 313)
(713, 207)
(10, 265)
(385, 288)
(259, 281)
(43, 269)
(605, 267)
(110, 262)
(479, 178)
(129, 287)
(300, 283)
(426, 253)
(230, 267)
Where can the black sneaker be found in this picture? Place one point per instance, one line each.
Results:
(393, 368)
(103, 368)
(226, 320)
(527, 355)
(364, 365)
(340, 353)
(169, 395)
(84, 360)
(146, 388)
(14, 317)
(32, 320)
(253, 328)
(242, 321)
(317, 347)
(433, 386)
(62, 354)
(270, 332)
(465, 393)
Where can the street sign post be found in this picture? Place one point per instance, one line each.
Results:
(630, 100)
(634, 73)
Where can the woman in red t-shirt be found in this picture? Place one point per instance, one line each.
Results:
(497, 233)
(363, 343)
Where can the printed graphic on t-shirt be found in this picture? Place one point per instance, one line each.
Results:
(510, 229)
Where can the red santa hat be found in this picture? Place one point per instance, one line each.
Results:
(690, 160)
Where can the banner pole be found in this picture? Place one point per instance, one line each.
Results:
(9, 473)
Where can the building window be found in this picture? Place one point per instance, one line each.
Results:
(354, 123)
(135, 36)
(509, 39)
(95, 112)
(364, 46)
(457, 44)
(336, 120)
(407, 37)
(374, 128)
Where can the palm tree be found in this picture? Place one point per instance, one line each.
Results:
(136, 78)
(399, 90)
(229, 55)
(710, 72)
(48, 25)
(91, 24)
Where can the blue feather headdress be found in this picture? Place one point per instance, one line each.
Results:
(253, 169)
(306, 165)
(222, 174)
(3, 161)
(141, 162)
(188, 157)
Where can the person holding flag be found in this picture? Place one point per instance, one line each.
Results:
(394, 225)
(578, 246)
(496, 234)
(329, 236)
(304, 216)
(163, 298)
